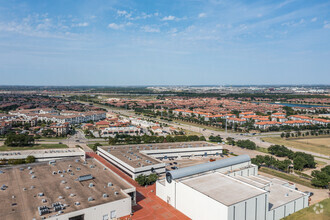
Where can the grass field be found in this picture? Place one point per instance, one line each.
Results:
(35, 147)
(310, 212)
(285, 176)
(315, 144)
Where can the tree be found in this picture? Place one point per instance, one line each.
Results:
(143, 180)
(282, 135)
(321, 178)
(19, 140)
(30, 159)
(299, 162)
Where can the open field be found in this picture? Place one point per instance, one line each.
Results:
(317, 211)
(319, 145)
(34, 147)
(288, 177)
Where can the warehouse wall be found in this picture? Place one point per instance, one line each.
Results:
(198, 206)
(251, 209)
(122, 207)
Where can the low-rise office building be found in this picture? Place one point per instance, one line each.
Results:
(147, 158)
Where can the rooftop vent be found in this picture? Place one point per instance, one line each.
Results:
(63, 182)
(40, 194)
(31, 172)
(90, 199)
(44, 200)
(78, 168)
(77, 160)
(62, 175)
(116, 193)
(72, 195)
(105, 195)
(91, 185)
(60, 197)
(77, 203)
(68, 187)
(32, 187)
(29, 168)
(110, 184)
(33, 176)
(70, 165)
(54, 173)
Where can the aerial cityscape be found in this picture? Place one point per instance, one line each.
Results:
(143, 110)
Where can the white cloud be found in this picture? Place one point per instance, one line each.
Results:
(149, 29)
(201, 15)
(119, 26)
(156, 14)
(326, 24)
(84, 24)
(124, 13)
(116, 26)
(314, 19)
(168, 18)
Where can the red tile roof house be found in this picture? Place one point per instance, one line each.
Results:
(266, 124)
(239, 121)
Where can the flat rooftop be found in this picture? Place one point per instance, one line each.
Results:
(280, 195)
(131, 154)
(44, 152)
(20, 200)
(222, 188)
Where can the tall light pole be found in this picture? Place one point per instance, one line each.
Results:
(226, 124)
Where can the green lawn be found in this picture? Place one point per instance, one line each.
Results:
(288, 177)
(34, 147)
(314, 144)
(308, 213)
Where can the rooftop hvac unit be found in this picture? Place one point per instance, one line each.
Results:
(31, 172)
(91, 166)
(40, 194)
(68, 187)
(43, 210)
(105, 195)
(60, 197)
(33, 176)
(32, 187)
(64, 171)
(78, 168)
(21, 169)
(29, 168)
(77, 203)
(70, 165)
(91, 185)
(62, 175)
(85, 177)
(72, 195)
(116, 193)
(44, 200)
(54, 173)
(90, 199)
(72, 174)
(69, 170)
(59, 171)
(63, 182)
(24, 189)
(77, 160)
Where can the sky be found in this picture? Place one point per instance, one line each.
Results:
(164, 42)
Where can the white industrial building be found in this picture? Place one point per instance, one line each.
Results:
(229, 189)
(145, 159)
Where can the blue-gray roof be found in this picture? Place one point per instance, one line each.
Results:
(201, 168)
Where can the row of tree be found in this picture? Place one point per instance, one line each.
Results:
(16, 140)
(128, 139)
(272, 162)
(301, 160)
(307, 133)
(28, 159)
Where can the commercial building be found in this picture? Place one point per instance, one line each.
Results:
(147, 158)
(229, 189)
(43, 155)
(62, 190)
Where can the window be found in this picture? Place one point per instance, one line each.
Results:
(105, 217)
(113, 214)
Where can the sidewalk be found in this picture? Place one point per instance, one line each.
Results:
(149, 206)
